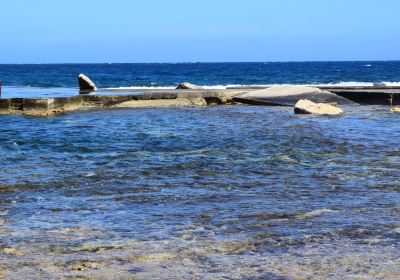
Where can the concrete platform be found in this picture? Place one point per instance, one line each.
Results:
(144, 98)
(289, 96)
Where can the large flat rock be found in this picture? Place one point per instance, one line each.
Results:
(308, 107)
(289, 95)
(130, 99)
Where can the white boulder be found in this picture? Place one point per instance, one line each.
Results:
(308, 107)
(86, 84)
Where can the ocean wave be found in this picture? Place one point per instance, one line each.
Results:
(30, 88)
(339, 84)
(138, 87)
(392, 84)
(171, 87)
(348, 84)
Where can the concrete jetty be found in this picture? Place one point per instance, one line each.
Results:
(289, 95)
(92, 98)
(111, 99)
(363, 95)
(128, 98)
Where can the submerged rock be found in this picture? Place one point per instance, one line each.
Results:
(309, 107)
(86, 84)
(188, 86)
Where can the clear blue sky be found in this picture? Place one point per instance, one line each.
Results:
(47, 31)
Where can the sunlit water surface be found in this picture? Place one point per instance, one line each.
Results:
(235, 192)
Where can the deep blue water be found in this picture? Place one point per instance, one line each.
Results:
(206, 74)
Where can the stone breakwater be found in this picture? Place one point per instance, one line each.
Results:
(153, 98)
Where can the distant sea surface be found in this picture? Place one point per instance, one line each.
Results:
(214, 192)
(40, 80)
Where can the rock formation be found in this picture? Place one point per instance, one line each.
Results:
(86, 84)
(309, 107)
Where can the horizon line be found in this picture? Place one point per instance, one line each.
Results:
(197, 62)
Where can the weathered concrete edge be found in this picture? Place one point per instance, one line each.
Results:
(177, 98)
(370, 97)
(60, 105)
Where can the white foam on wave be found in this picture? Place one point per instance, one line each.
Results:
(32, 91)
(348, 84)
(392, 84)
(339, 84)
(138, 88)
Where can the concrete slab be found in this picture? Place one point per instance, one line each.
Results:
(289, 95)
(161, 97)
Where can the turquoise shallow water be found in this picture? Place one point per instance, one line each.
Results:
(226, 191)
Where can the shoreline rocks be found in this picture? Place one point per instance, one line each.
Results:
(308, 107)
(146, 99)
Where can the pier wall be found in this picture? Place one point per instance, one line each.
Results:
(171, 98)
(155, 98)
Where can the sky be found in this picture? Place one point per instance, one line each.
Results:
(106, 31)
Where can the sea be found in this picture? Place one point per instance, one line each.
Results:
(217, 192)
(52, 80)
